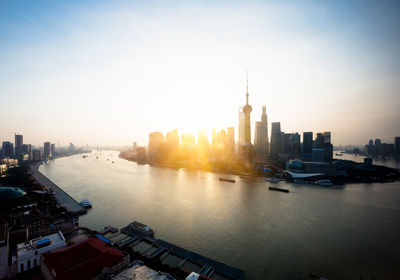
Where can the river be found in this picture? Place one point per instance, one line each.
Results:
(341, 232)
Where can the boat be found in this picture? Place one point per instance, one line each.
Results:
(325, 183)
(227, 180)
(84, 156)
(278, 189)
(300, 181)
(272, 180)
(86, 203)
(138, 228)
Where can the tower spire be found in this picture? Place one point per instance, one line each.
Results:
(247, 87)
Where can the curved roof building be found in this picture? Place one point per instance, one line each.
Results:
(9, 194)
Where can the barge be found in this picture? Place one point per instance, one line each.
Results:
(278, 189)
(227, 180)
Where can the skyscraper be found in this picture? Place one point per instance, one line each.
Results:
(231, 140)
(7, 150)
(155, 141)
(397, 146)
(52, 149)
(46, 150)
(323, 141)
(18, 143)
(275, 140)
(307, 142)
(261, 141)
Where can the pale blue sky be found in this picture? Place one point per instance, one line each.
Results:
(109, 72)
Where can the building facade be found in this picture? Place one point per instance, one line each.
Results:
(28, 253)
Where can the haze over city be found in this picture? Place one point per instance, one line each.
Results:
(111, 73)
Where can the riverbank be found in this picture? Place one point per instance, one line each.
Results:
(65, 200)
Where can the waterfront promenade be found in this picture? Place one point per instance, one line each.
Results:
(64, 199)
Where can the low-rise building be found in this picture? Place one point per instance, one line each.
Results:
(28, 253)
(3, 169)
(92, 258)
(311, 168)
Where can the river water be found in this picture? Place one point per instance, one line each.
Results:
(342, 232)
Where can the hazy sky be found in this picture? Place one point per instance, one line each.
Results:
(109, 72)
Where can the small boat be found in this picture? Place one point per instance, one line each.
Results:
(325, 183)
(272, 180)
(142, 228)
(86, 203)
(300, 181)
(84, 156)
(112, 162)
(227, 180)
(278, 189)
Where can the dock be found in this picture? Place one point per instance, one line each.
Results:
(154, 250)
(65, 200)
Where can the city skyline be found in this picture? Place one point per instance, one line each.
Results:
(108, 74)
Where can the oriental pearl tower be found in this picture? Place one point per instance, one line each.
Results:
(247, 110)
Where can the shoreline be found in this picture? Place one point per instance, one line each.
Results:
(64, 199)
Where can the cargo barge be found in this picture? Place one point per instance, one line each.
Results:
(227, 180)
(278, 189)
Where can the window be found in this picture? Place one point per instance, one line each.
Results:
(29, 264)
(35, 262)
(22, 267)
(36, 253)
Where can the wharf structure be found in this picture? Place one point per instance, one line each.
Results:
(65, 200)
(169, 257)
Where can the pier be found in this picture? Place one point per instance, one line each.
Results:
(65, 200)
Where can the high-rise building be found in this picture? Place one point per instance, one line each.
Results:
(244, 127)
(323, 141)
(231, 140)
(188, 144)
(155, 141)
(287, 147)
(134, 147)
(296, 145)
(7, 150)
(172, 139)
(397, 146)
(36, 155)
(307, 142)
(46, 150)
(52, 149)
(378, 147)
(203, 145)
(18, 143)
(275, 140)
(261, 141)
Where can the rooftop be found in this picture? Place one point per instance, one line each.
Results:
(40, 242)
(83, 260)
(138, 271)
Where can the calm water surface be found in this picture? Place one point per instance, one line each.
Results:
(343, 232)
